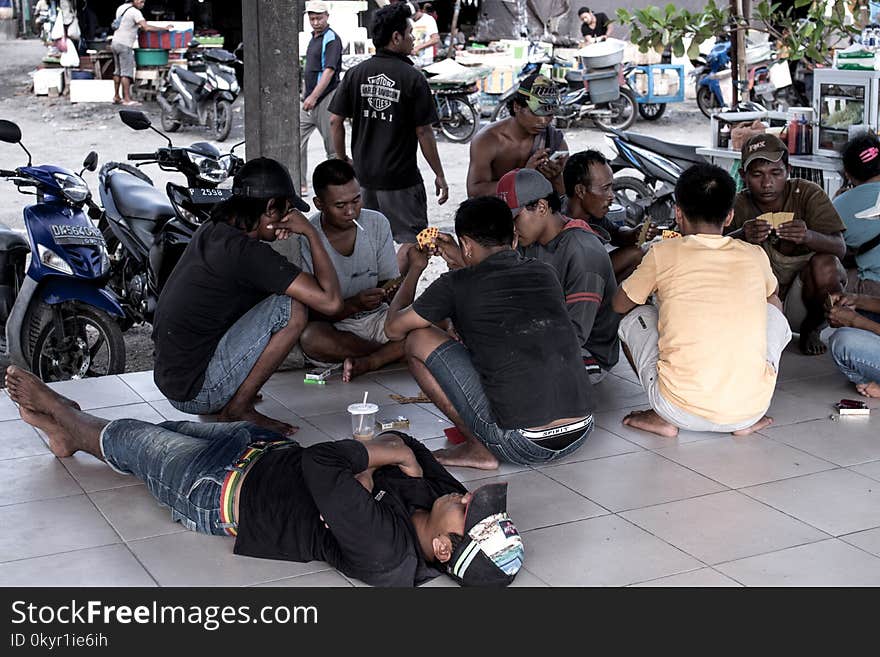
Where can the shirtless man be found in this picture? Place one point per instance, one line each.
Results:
(526, 140)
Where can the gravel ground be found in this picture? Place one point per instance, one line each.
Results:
(59, 132)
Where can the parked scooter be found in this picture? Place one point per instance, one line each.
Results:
(147, 231)
(59, 317)
(660, 163)
(201, 94)
(458, 109)
(575, 104)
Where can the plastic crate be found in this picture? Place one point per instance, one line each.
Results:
(165, 40)
(657, 83)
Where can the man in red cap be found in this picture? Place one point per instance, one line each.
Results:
(804, 241)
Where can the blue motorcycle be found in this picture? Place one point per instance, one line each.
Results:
(709, 96)
(59, 317)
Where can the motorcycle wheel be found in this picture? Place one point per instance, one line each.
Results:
(462, 122)
(706, 101)
(500, 112)
(169, 123)
(222, 120)
(92, 346)
(651, 111)
(623, 111)
(628, 190)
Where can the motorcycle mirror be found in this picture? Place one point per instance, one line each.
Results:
(9, 132)
(232, 150)
(135, 119)
(91, 162)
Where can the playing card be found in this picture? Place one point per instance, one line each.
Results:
(428, 237)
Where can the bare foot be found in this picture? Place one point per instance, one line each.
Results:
(469, 454)
(253, 415)
(811, 345)
(765, 421)
(28, 391)
(650, 421)
(60, 441)
(353, 367)
(869, 389)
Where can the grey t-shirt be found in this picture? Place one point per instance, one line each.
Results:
(127, 33)
(373, 259)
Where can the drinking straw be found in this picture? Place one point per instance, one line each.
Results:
(361, 420)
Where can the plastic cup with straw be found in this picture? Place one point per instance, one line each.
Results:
(363, 419)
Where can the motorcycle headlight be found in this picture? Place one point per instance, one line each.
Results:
(51, 259)
(72, 186)
(211, 170)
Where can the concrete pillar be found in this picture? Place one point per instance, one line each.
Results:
(271, 88)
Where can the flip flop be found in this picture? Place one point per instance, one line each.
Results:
(131, 103)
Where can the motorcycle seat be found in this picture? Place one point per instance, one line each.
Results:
(188, 77)
(138, 199)
(11, 240)
(219, 55)
(675, 151)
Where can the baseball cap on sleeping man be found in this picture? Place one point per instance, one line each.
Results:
(491, 553)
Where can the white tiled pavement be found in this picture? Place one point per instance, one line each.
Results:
(797, 505)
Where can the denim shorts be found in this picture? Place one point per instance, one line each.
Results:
(236, 354)
(183, 464)
(451, 366)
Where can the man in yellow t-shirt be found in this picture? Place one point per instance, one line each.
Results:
(707, 354)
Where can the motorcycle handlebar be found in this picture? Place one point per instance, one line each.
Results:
(7, 174)
(142, 156)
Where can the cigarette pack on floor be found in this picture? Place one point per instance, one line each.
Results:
(852, 407)
(388, 423)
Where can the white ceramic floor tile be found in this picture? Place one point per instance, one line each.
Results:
(93, 474)
(535, 501)
(837, 502)
(8, 409)
(702, 577)
(142, 411)
(112, 565)
(615, 392)
(846, 442)
(795, 365)
(202, 560)
(34, 478)
(744, 460)
(826, 563)
(35, 529)
(142, 383)
(871, 469)
(325, 579)
(98, 392)
(423, 424)
(20, 439)
(824, 391)
(613, 421)
(723, 527)
(787, 408)
(631, 481)
(399, 382)
(868, 540)
(335, 397)
(134, 513)
(606, 551)
(164, 407)
(465, 475)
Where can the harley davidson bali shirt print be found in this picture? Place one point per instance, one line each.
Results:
(386, 98)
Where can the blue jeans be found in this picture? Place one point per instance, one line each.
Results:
(236, 354)
(451, 366)
(183, 464)
(857, 354)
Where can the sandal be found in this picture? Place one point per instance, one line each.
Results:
(130, 103)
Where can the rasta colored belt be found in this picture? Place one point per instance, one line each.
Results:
(236, 473)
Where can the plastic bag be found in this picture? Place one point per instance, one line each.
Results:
(61, 44)
(73, 31)
(69, 58)
(57, 31)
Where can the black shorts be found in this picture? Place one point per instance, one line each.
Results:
(406, 209)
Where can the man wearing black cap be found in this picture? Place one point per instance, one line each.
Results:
(233, 308)
(525, 140)
(800, 230)
(383, 511)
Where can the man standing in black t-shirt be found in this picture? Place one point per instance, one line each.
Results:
(392, 111)
(320, 79)
(515, 385)
(594, 26)
(233, 308)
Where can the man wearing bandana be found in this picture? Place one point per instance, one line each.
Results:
(525, 140)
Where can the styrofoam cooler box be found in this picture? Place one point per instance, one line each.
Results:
(91, 91)
(165, 40)
(45, 78)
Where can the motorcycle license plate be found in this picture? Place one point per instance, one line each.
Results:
(208, 196)
(66, 234)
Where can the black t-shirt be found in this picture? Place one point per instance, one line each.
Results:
(601, 28)
(370, 535)
(324, 51)
(221, 275)
(510, 313)
(387, 98)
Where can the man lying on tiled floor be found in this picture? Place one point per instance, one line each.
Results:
(300, 504)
